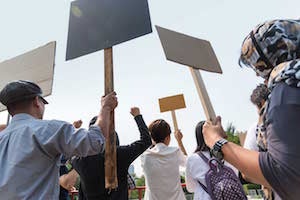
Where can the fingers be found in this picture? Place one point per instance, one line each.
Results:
(110, 101)
(77, 124)
(135, 111)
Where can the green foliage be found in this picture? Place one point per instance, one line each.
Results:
(138, 182)
(232, 134)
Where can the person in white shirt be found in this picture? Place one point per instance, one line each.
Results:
(250, 140)
(161, 164)
(196, 167)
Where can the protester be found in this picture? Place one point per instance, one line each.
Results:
(161, 163)
(196, 167)
(272, 50)
(92, 170)
(254, 138)
(64, 188)
(31, 148)
(258, 98)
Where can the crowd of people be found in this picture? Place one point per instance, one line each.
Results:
(34, 151)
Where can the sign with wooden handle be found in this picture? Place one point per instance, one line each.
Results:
(95, 25)
(196, 54)
(172, 103)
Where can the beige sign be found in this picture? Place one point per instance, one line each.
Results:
(194, 53)
(189, 51)
(36, 65)
(171, 103)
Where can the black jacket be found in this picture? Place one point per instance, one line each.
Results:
(91, 168)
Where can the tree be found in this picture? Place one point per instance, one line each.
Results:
(232, 134)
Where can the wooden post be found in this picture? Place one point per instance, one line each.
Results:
(111, 181)
(202, 92)
(174, 120)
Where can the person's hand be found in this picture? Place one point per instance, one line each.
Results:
(77, 124)
(109, 101)
(135, 111)
(213, 131)
(178, 135)
(68, 181)
(2, 127)
(218, 121)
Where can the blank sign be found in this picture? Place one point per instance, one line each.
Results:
(171, 103)
(189, 51)
(36, 66)
(98, 24)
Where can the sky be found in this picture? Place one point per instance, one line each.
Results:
(142, 74)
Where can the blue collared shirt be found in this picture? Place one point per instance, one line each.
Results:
(30, 153)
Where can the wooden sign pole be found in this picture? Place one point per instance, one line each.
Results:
(111, 181)
(202, 92)
(174, 120)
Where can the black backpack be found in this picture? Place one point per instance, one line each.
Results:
(222, 183)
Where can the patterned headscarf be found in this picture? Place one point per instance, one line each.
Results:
(272, 50)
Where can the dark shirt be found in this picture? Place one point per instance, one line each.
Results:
(91, 168)
(281, 163)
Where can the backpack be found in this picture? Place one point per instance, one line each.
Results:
(222, 183)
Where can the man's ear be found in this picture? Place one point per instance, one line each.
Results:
(36, 102)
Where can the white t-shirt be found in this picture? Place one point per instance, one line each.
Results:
(196, 168)
(161, 169)
(250, 140)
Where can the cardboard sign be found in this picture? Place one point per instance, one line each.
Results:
(36, 66)
(189, 51)
(171, 103)
(99, 24)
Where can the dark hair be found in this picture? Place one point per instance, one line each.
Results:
(201, 146)
(93, 121)
(13, 107)
(259, 94)
(159, 130)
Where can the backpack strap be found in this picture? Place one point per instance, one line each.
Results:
(203, 156)
(205, 159)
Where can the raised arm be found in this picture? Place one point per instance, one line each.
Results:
(132, 151)
(178, 135)
(243, 159)
(108, 104)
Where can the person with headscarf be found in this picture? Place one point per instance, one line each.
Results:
(272, 50)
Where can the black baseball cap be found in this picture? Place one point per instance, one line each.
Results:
(20, 90)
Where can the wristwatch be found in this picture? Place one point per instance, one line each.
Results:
(216, 151)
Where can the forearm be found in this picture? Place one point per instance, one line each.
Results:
(245, 161)
(143, 129)
(104, 120)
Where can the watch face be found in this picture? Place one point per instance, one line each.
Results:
(217, 154)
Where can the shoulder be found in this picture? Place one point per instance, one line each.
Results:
(282, 93)
(195, 159)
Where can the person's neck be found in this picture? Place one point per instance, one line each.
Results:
(33, 114)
